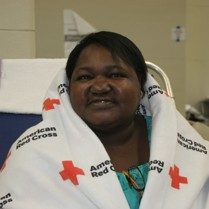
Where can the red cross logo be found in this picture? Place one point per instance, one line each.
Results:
(4, 164)
(176, 178)
(49, 103)
(70, 172)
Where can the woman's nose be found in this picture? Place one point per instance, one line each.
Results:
(100, 85)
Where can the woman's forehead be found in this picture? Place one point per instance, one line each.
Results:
(93, 53)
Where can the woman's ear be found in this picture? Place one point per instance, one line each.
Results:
(69, 89)
(140, 97)
(141, 94)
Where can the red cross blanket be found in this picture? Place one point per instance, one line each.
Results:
(60, 163)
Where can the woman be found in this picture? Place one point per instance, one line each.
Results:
(107, 73)
(107, 132)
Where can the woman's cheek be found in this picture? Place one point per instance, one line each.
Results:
(77, 96)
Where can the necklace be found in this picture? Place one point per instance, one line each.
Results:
(133, 183)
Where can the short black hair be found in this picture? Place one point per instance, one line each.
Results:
(118, 45)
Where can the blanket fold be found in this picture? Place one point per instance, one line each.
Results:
(60, 163)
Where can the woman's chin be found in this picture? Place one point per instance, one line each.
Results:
(102, 125)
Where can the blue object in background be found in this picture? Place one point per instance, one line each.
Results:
(11, 127)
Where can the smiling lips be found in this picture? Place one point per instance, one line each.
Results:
(101, 103)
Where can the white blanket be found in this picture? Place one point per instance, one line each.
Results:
(61, 164)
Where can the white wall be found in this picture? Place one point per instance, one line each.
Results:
(17, 29)
(197, 51)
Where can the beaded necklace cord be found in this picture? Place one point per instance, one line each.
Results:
(132, 182)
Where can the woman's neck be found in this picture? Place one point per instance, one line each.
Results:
(117, 136)
(127, 145)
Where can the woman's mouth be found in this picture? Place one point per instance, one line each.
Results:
(101, 103)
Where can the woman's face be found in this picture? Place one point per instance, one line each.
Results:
(104, 92)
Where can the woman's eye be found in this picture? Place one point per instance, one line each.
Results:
(116, 75)
(84, 77)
